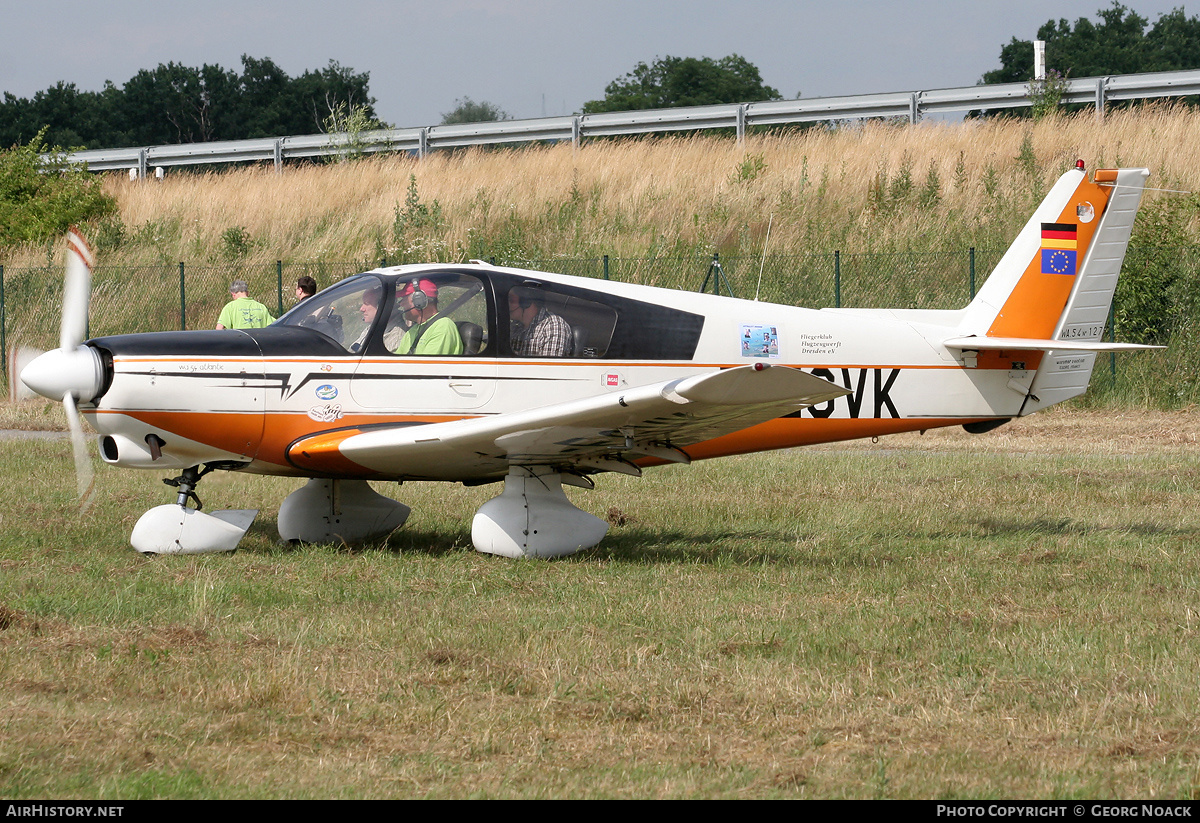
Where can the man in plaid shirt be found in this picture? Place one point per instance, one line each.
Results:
(538, 332)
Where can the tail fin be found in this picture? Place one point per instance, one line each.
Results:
(1044, 307)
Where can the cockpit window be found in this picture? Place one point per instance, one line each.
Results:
(544, 322)
(550, 319)
(344, 313)
(438, 315)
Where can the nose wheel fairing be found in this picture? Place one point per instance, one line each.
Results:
(175, 529)
(179, 529)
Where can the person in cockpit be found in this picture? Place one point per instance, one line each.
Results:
(537, 331)
(368, 310)
(430, 333)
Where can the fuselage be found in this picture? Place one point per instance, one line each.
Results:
(176, 399)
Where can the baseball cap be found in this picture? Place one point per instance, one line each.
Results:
(427, 286)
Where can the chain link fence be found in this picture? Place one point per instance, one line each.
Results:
(1158, 299)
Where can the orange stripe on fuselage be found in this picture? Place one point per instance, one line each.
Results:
(269, 437)
(321, 452)
(272, 436)
(790, 432)
(228, 431)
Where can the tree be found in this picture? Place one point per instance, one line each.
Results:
(1173, 43)
(40, 199)
(684, 81)
(181, 104)
(318, 94)
(1118, 44)
(68, 116)
(467, 110)
(265, 97)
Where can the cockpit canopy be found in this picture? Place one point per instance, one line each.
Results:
(444, 312)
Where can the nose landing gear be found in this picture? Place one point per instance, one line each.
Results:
(180, 529)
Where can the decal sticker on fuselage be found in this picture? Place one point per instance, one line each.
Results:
(326, 392)
(1077, 363)
(819, 344)
(326, 414)
(760, 341)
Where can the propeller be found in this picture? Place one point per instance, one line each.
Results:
(72, 373)
(77, 290)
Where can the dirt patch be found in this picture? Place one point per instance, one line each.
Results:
(1065, 431)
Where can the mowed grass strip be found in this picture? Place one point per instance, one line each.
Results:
(1008, 615)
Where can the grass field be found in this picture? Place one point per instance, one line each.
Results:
(1008, 615)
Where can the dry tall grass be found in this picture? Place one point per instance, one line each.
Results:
(874, 187)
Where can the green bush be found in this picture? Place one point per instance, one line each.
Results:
(1157, 288)
(43, 198)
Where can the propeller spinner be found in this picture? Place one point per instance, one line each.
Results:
(72, 373)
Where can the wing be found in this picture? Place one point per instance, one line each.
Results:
(599, 433)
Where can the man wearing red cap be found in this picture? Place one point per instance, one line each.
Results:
(430, 333)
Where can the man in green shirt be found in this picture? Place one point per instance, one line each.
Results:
(241, 312)
(430, 333)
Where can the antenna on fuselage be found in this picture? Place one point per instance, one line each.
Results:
(763, 263)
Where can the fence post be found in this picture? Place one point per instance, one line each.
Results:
(182, 300)
(971, 254)
(837, 278)
(279, 284)
(3, 325)
(605, 267)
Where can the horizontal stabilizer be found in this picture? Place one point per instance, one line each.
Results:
(1030, 344)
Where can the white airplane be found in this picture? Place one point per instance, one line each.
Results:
(475, 373)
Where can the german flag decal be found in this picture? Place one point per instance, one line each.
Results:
(1059, 247)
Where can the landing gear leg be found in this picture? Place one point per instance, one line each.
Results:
(179, 529)
(186, 483)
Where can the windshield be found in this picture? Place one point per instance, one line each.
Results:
(344, 313)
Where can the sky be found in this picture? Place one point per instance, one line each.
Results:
(532, 58)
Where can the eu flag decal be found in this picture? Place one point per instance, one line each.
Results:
(1058, 261)
(1059, 247)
